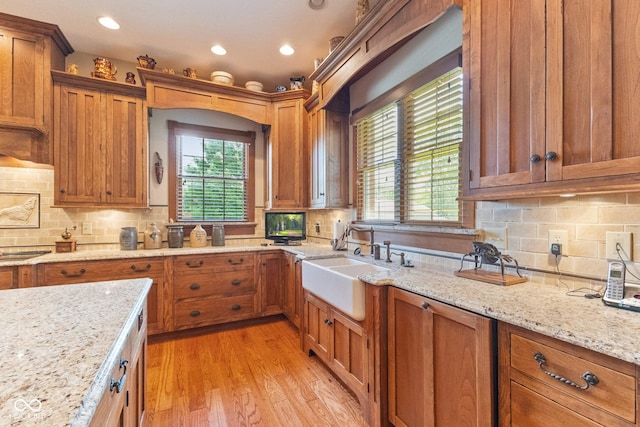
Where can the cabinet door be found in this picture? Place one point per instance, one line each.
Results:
(271, 283)
(8, 277)
(317, 146)
(593, 58)
(316, 331)
(292, 271)
(78, 156)
(288, 156)
(22, 78)
(507, 92)
(440, 364)
(349, 355)
(125, 151)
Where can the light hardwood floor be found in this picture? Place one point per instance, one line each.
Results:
(255, 375)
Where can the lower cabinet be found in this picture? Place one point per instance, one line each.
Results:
(547, 382)
(440, 364)
(123, 401)
(272, 277)
(8, 277)
(292, 277)
(209, 289)
(62, 273)
(337, 340)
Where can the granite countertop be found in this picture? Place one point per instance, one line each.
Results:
(541, 308)
(59, 345)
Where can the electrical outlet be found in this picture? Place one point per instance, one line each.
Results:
(624, 239)
(561, 237)
(87, 228)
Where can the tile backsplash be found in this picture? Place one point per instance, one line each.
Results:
(519, 227)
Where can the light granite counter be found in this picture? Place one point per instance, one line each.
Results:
(59, 345)
(541, 308)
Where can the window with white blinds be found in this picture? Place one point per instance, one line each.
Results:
(212, 170)
(408, 156)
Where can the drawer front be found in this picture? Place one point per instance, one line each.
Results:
(94, 271)
(234, 282)
(209, 311)
(615, 391)
(195, 263)
(7, 277)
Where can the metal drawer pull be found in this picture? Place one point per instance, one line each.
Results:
(232, 262)
(194, 287)
(195, 265)
(146, 267)
(194, 313)
(119, 384)
(235, 307)
(78, 274)
(328, 322)
(588, 377)
(235, 282)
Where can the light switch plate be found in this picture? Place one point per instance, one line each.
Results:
(624, 239)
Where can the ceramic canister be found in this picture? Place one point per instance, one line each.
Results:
(217, 235)
(198, 237)
(152, 237)
(128, 239)
(175, 235)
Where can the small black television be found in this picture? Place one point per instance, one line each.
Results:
(285, 228)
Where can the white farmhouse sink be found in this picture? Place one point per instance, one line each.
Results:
(335, 280)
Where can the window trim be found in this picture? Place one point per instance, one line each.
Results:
(431, 72)
(177, 128)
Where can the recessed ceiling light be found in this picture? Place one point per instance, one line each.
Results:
(316, 4)
(218, 50)
(105, 21)
(286, 50)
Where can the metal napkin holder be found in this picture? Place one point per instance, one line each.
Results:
(486, 253)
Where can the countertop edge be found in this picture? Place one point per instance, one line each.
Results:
(91, 400)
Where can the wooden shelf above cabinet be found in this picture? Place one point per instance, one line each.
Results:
(165, 91)
(102, 85)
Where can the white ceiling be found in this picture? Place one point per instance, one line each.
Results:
(179, 34)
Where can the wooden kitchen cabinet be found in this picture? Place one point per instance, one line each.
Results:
(440, 364)
(124, 405)
(530, 366)
(340, 342)
(209, 289)
(62, 273)
(552, 104)
(288, 154)
(329, 146)
(100, 143)
(292, 276)
(272, 278)
(29, 50)
(8, 277)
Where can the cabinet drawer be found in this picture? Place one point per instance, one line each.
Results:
(7, 277)
(193, 263)
(233, 282)
(209, 311)
(614, 393)
(94, 271)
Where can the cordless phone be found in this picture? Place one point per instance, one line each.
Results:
(615, 282)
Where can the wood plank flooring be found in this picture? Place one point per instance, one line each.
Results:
(254, 375)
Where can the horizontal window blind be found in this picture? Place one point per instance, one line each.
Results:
(212, 179)
(432, 137)
(408, 156)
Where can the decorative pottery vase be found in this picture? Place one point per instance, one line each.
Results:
(198, 237)
(152, 237)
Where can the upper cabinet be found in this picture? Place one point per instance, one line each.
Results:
(29, 50)
(288, 154)
(329, 146)
(552, 87)
(100, 143)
